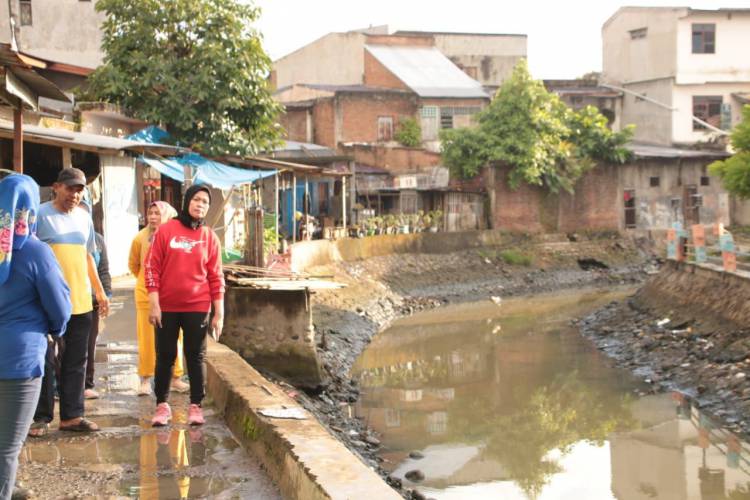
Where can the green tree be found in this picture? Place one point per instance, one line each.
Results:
(734, 172)
(409, 133)
(196, 67)
(530, 129)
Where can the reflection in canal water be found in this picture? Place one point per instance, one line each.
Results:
(510, 401)
(175, 463)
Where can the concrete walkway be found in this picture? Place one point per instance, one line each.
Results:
(128, 458)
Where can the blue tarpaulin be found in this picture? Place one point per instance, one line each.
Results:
(151, 134)
(206, 171)
(219, 175)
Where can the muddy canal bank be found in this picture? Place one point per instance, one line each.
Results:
(679, 348)
(383, 289)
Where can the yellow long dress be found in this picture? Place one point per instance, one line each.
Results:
(145, 330)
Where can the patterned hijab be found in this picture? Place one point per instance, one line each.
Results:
(166, 212)
(19, 204)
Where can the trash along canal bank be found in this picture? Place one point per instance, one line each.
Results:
(686, 329)
(382, 289)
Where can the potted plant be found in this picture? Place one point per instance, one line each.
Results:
(436, 218)
(378, 223)
(403, 223)
(390, 222)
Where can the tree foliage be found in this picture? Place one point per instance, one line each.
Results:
(734, 172)
(196, 67)
(531, 130)
(409, 133)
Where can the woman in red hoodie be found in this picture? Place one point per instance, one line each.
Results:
(184, 279)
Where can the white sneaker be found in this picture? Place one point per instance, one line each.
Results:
(179, 386)
(145, 388)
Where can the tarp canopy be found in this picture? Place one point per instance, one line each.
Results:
(152, 134)
(207, 171)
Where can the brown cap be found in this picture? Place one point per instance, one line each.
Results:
(72, 177)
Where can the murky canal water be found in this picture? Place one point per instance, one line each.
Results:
(507, 400)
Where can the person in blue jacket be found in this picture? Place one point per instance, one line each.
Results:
(34, 303)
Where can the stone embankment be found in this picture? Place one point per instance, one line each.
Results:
(686, 329)
(384, 287)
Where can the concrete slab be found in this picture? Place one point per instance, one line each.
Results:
(306, 460)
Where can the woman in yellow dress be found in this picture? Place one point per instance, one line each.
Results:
(158, 213)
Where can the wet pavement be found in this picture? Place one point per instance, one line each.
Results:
(505, 399)
(130, 459)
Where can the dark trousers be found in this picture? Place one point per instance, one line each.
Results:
(71, 359)
(91, 358)
(194, 329)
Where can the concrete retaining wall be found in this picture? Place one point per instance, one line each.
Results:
(303, 459)
(307, 254)
(273, 330)
(703, 288)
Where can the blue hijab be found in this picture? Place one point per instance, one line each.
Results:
(19, 204)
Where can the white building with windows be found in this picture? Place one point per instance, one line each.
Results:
(676, 63)
(63, 31)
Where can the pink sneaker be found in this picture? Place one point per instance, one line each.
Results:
(195, 415)
(162, 416)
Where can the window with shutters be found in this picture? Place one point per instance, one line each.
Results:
(385, 128)
(25, 11)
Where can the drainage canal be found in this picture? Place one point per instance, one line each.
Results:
(505, 399)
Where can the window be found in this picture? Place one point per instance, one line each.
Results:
(708, 109)
(704, 38)
(629, 206)
(457, 116)
(705, 180)
(446, 118)
(25, 12)
(654, 182)
(385, 128)
(638, 34)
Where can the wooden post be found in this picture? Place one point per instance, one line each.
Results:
(343, 201)
(67, 159)
(306, 200)
(18, 138)
(276, 201)
(490, 171)
(294, 207)
(353, 187)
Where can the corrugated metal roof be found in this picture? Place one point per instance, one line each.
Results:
(20, 66)
(427, 71)
(83, 141)
(354, 89)
(651, 151)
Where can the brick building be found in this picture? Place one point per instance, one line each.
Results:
(387, 79)
(659, 187)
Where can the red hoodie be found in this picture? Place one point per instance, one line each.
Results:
(184, 266)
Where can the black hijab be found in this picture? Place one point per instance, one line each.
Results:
(184, 216)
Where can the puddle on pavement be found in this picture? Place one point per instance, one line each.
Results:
(509, 401)
(143, 462)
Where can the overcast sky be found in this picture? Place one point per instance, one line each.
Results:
(564, 36)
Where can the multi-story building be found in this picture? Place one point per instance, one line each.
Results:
(676, 64)
(63, 31)
(359, 87)
(488, 58)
